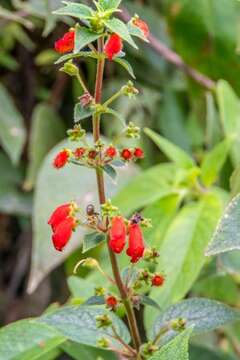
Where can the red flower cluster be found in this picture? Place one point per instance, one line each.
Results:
(129, 154)
(113, 46)
(142, 26)
(61, 159)
(62, 223)
(118, 235)
(66, 43)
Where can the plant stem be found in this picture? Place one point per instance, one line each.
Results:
(102, 199)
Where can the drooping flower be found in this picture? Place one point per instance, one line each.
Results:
(158, 280)
(126, 154)
(111, 152)
(111, 302)
(136, 243)
(63, 233)
(59, 215)
(142, 25)
(113, 46)
(117, 234)
(66, 43)
(61, 159)
(138, 153)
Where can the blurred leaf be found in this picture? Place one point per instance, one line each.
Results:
(229, 106)
(46, 57)
(230, 262)
(177, 349)
(117, 115)
(176, 154)
(38, 339)
(146, 300)
(227, 234)
(13, 202)
(161, 213)
(78, 323)
(80, 288)
(83, 37)
(204, 314)
(214, 161)
(47, 129)
(201, 353)
(214, 287)
(213, 130)
(193, 228)
(53, 188)
(80, 352)
(144, 189)
(92, 240)
(12, 129)
(120, 28)
(235, 182)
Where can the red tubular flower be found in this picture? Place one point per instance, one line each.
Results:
(66, 43)
(158, 280)
(79, 152)
(59, 215)
(136, 244)
(113, 46)
(142, 26)
(61, 159)
(111, 152)
(63, 233)
(139, 153)
(111, 302)
(126, 154)
(117, 234)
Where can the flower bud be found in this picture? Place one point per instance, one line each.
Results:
(111, 152)
(142, 25)
(103, 321)
(76, 133)
(99, 291)
(138, 153)
(61, 159)
(108, 209)
(111, 302)
(79, 152)
(69, 68)
(178, 324)
(113, 46)
(126, 154)
(129, 89)
(117, 234)
(103, 343)
(86, 99)
(66, 43)
(151, 255)
(158, 280)
(132, 131)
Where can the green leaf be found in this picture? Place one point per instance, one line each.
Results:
(78, 323)
(214, 161)
(193, 227)
(177, 349)
(227, 234)
(204, 314)
(229, 106)
(15, 202)
(202, 353)
(235, 182)
(81, 113)
(144, 189)
(27, 339)
(109, 4)
(92, 240)
(47, 129)
(83, 37)
(118, 27)
(83, 352)
(56, 187)
(230, 262)
(110, 171)
(176, 154)
(79, 11)
(126, 65)
(12, 129)
(146, 300)
(95, 300)
(67, 57)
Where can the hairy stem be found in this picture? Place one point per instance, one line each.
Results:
(102, 199)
